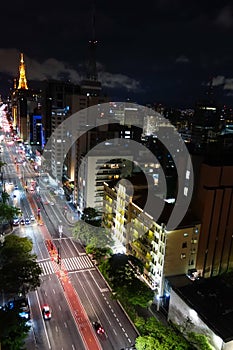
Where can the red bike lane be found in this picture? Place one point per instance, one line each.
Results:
(85, 328)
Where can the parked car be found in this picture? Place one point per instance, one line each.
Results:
(27, 221)
(16, 221)
(32, 218)
(22, 221)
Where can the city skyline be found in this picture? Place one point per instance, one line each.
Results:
(162, 52)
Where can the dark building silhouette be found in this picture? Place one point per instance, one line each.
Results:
(91, 86)
(206, 122)
(212, 203)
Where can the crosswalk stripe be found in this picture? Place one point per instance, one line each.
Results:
(77, 263)
(47, 268)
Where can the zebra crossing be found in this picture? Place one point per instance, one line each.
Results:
(82, 262)
(78, 263)
(47, 267)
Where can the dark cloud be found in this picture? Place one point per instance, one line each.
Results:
(156, 50)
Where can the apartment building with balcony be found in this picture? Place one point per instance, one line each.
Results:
(164, 253)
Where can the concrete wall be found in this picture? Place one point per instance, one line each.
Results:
(189, 321)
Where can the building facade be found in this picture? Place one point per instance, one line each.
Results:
(162, 252)
(213, 205)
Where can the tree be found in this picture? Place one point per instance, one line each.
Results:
(5, 197)
(13, 329)
(1, 165)
(98, 237)
(91, 216)
(98, 253)
(7, 212)
(122, 271)
(154, 335)
(83, 232)
(19, 271)
(148, 343)
(143, 296)
(122, 268)
(200, 340)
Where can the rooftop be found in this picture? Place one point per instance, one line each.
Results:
(212, 299)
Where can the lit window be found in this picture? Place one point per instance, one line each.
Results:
(183, 256)
(186, 191)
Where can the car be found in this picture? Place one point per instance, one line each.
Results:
(21, 303)
(32, 218)
(16, 187)
(98, 328)
(27, 221)
(15, 221)
(46, 312)
(22, 221)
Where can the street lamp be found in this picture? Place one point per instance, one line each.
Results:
(60, 230)
(2, 239)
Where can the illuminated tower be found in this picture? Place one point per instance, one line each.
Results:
(22, 75)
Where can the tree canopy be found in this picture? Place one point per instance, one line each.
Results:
(7, 212)
(5, 197)
(19, 271)
(91, 216)
(13, 329)
(154, 335)
(123, 273)
(88, 235)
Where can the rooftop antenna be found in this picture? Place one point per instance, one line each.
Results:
(91, 69)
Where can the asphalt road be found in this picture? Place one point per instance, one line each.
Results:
(83, 287)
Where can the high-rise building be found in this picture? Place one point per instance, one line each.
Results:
(206, 122)
(212, 204)
(23, 103)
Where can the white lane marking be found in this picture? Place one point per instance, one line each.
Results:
(80, 253)
(97, 298)
(47, 337)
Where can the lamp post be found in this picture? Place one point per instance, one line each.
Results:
(1, 180)
(60, 230)
(2, 239)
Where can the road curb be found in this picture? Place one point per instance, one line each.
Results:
(136, 330)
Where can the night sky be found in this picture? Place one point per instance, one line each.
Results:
(149, 51)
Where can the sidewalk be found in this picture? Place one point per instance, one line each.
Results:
(158, 314)
(152, 312)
